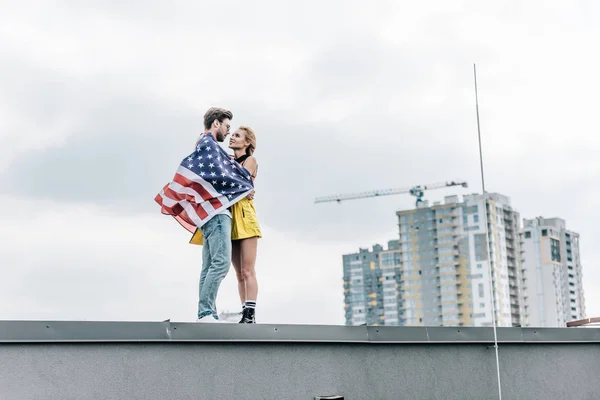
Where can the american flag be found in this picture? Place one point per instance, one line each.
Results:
(206, 182)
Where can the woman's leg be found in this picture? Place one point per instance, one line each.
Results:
(248, 252)
(248, 260)
(236, 260)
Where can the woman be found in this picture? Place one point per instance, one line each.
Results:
(245, 229)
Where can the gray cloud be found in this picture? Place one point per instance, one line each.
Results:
(127, 144)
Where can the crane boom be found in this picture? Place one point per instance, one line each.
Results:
(415, 191)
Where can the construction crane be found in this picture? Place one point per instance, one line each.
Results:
(416, 191)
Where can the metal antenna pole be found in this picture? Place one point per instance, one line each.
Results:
(487, 235)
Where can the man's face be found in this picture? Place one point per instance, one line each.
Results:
(223, 129)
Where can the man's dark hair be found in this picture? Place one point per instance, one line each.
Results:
(216, 113)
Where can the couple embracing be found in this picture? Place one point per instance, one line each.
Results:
(211, 196)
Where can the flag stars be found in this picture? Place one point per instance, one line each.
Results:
(211, 165)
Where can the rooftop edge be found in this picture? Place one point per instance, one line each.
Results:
(167, 331)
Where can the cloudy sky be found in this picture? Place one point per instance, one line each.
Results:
(99, 104)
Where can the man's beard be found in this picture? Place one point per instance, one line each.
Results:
(220, 137)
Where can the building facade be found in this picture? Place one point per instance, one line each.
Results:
(372, 286)
(553, 273)
(451, 273)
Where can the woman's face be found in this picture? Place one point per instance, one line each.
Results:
(238, 140)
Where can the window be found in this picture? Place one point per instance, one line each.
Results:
(476, 218)
(390, 259)
(480, 286)
(528, 235)
(544, 232)
(555, 249)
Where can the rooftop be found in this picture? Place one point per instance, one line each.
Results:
(168, 360)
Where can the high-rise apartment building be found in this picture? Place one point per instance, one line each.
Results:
(553, 285)
(446, 262)
(438, 273)
(372, 286)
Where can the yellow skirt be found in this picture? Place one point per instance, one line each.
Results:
(244, 223)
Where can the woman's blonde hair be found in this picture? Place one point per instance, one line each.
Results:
(250, 138)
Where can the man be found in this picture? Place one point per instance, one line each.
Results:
(206, 184)
(216, 252)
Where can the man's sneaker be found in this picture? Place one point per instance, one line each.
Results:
(210, 319)
(248, 316)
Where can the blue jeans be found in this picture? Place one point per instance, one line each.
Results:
(216, 259)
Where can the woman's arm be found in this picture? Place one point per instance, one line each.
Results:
(251, 165)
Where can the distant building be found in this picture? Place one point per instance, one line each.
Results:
(438, 273)
(446, 262)
(553, 285)
(372, 286)
(228, 316)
